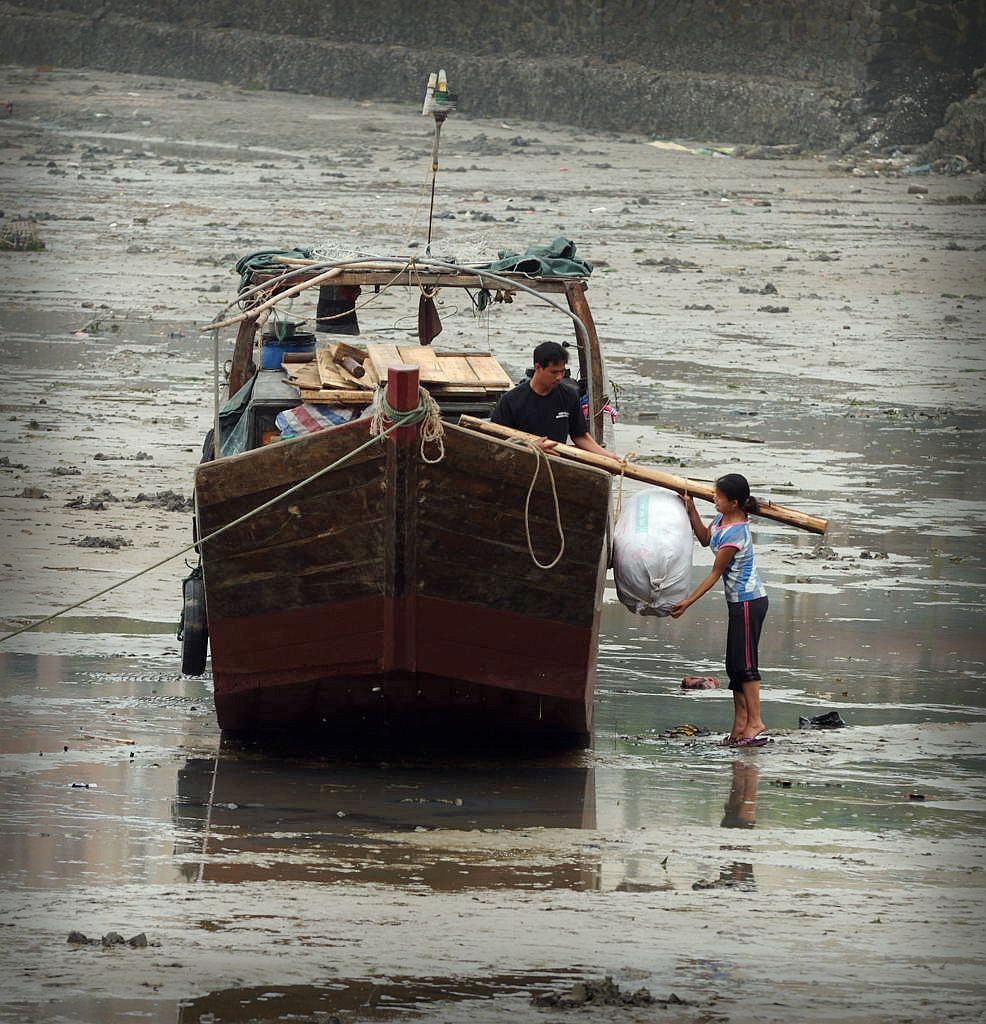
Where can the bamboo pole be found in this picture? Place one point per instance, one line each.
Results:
(286, 294)
(680, 484)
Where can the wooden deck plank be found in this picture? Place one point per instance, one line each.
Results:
(430, 370)
(489, 372)
(458, 370)
(303, 375)
(381, 357)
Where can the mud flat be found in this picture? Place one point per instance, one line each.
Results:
(817, 325)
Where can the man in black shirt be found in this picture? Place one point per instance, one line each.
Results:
(543, 405)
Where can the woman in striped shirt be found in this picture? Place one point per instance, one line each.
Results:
(735, 563)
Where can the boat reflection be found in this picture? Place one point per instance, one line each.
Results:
(247, 817)
(361, 999)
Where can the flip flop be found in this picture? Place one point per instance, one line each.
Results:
(753, 741)
(727, 741)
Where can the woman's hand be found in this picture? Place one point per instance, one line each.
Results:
(678, 610)
(687, 501)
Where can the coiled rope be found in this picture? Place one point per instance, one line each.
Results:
(431, 432)
(424, 411)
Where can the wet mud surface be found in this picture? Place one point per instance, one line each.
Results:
(829, 875)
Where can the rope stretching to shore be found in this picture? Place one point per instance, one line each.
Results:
(423, 412)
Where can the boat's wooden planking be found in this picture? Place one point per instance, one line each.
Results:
(320, 545)
(472, 540)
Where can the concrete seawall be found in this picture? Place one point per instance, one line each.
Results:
(826, 74)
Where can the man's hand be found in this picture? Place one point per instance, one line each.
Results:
(546, 445)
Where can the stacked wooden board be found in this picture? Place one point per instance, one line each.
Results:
(458, 374)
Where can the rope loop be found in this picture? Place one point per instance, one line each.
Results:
(539, 456)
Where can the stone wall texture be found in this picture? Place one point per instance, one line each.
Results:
(823, 73)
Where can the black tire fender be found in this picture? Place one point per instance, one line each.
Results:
(195, 628)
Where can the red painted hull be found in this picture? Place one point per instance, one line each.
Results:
(408, 604)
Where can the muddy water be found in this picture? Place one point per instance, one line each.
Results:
(830, 875)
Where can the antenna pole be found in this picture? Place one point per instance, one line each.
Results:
(434, 179)
(439, 102)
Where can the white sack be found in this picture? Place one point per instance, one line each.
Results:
(652, 552)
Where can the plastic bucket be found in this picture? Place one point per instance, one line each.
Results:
(272, 350)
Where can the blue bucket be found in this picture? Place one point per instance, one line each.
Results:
(272, 350)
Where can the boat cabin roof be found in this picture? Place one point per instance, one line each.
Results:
(414, 278)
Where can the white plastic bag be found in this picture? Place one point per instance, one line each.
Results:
(652, 552)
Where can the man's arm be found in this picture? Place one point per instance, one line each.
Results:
(578, 430)
(588, 444)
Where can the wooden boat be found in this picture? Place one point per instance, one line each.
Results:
(395, 594)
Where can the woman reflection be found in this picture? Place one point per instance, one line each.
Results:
(741, 812)
(741, 807)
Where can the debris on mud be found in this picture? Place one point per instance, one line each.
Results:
(113, 543)
(5, 463)
(170, 501)
(21, 236)
(829, 720)
(138, 941)
(700, 683)
(670, 264)
(822, 550)
(97, 503)
(139, 457)
(684, 731)
(600, 993)
(736, 876)
(33, 492)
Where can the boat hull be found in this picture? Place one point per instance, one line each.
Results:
(396, 594)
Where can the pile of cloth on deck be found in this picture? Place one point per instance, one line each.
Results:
(309, 419)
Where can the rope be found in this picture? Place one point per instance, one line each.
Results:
(629, 457)
(432, 431)
(540, 456)
(208, 817)
(409, 235)
(398, 420)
